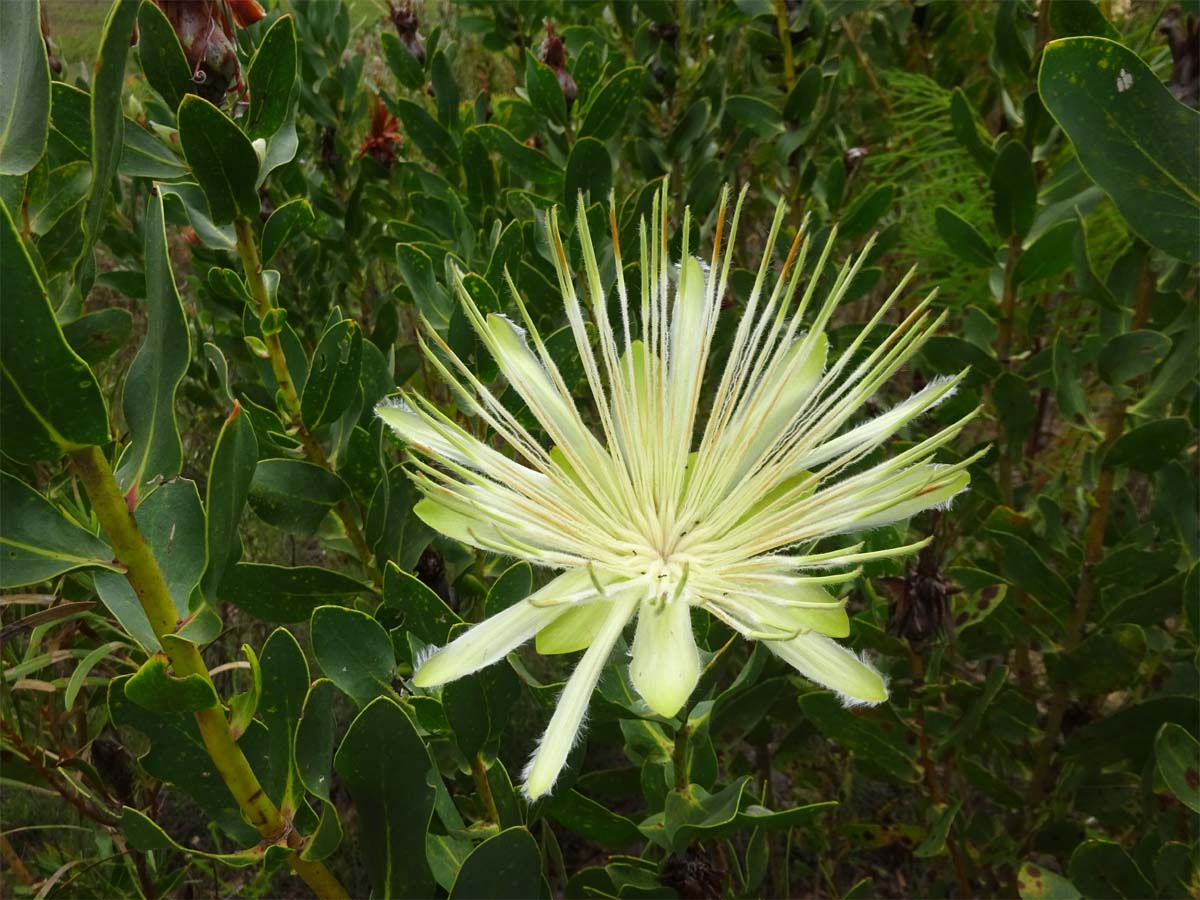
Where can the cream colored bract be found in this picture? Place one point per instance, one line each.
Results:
(650, 510)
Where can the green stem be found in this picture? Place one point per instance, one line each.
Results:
(1114, 426)
(146, 579)
(484, 787)
(252, 265)
(681, 756)
(785, 40)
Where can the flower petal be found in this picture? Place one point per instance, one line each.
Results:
(483, 644)
(829, 618)
(666, 663)
(574, 630)
(551, 754)
(828, 663)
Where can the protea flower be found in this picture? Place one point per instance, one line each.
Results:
(658, 506)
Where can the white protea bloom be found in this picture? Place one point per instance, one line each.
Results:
(655, 509)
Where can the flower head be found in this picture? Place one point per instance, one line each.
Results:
(658, 511)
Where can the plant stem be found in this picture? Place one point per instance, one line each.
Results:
(785, 40)
(681, 756)
(1114, 426)
(484, 787)
(252, 265)
(146, 579)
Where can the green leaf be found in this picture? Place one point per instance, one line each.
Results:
(24, 88)
(243, 706)
(98, 335)
(866, 212)
(962, 238)
(393, 798)
(294, 494)
(757, 115)
(1127, 735)
(1178, 757)
(285, 594)
(354, 652)
(177, 756)
(445, 89)
(592, 821)
(607, 111)
(1024, 568)
(968, 132)
(545, 93)
(195, 206)
(314, 739)
(222, 158)
(148, 398)
(872, 736)
(294, 217)
(1104, 662)
(285, 681)
(507, 866)
(152, 687)
(1014, 191)
(1070, 18)
(589, 171)
(144, 156)
(229, 476)
(39, 543)
(146, 835)
(526, 163)
(425, 615)
(271, 76)
(1038, 883)
(406, 67)
(161, 55)
(1151, 446)
(107, 118)
(66, 186)
(1068, 390)
(1133, 138)
(416, 268)
(171, 520)
(804, 96)
(1176, 373)
(1131, 354)
(333, 376)
(51, 403)
(427, 133)
(1103, 869)
(1050, 255)
(514, 585)
(935, 842)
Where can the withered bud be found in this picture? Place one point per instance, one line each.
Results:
(404, 18)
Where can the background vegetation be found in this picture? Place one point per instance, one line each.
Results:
(203, 302)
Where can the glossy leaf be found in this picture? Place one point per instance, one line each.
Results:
(229, 476)
(283, 593)
(1133, 138)
(606, 113)
(1131, 354)
(962, 238)
(51, 402)
(271, 77)
(430, 136)
(37, 542)
(545, 93)
(589, 171)
(506, 866)
(163, 62)
(1038, 883)
(107, 118)
(354, 652)
(333, 375)
(1151, 446)
(1050, 255)
(1014, 191)
(155, 688)
(155, 450)
(285, 682)
(525, 162)
(171, 520)
(222, 159)
(294, 494)
(294, 217)
(98, 335)
(1178, 757)
(24, 88)
(394, 802)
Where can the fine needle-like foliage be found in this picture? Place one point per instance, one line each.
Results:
(672, 511)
